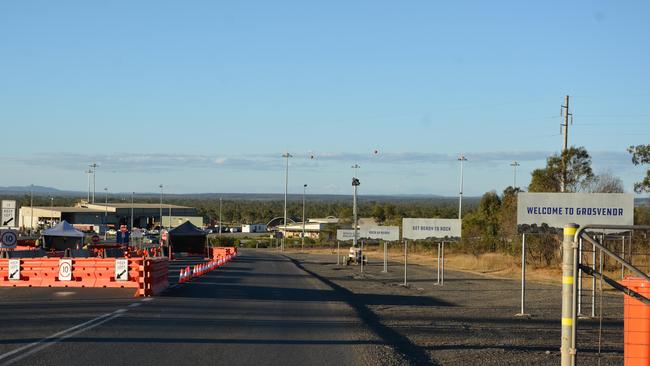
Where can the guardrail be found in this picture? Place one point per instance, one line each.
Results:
(148, 276)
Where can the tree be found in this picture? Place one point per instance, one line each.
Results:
(378, 213)
(577, 175)
(606, 183)
(641, 156)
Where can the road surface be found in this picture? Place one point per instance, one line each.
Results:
(260, 309)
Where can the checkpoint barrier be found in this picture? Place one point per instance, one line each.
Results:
(636, 326)
(148, 276)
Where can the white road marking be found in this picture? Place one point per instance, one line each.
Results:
(64, 334)
(64, 293)
(40, 345)
(53, 336)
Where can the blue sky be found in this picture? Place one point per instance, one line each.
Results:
(205, 96)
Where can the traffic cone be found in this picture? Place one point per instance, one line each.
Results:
(180, 276)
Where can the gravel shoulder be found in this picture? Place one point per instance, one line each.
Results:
(469, 320)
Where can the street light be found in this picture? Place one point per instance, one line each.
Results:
(31, 205)
(132, 194)
(304, 191)
(286, 187)
(355, 184)
(161, 199)
(93, 167)
(462, 158)
(514, 166)
(105, 211)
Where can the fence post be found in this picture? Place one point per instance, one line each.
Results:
(567, 351)
(523, 276)
(385, 257)
(438, 265)
(406, 245)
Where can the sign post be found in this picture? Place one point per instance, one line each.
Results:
(551, 212)
(441, 229)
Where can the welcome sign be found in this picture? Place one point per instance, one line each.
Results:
(536, 211)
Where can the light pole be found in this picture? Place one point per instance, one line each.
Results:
(132, 194)
(93, 167)
(105, 211)
(514, 166)
(161, 216)
(220, 202)
(286, 187)
(88, 173)
(462, 158)
(355, 184)
(304, 192)
(31, 209)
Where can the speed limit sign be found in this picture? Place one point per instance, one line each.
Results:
(65, 269)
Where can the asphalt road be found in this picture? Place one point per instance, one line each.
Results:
(260, 309)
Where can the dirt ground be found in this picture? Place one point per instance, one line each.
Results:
(471, 318)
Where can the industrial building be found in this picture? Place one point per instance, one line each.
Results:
(144, 215)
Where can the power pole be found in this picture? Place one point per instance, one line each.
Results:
(565, 131)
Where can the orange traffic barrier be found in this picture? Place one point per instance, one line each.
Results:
(148, 276)
(636, 325)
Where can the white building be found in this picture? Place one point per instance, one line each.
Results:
(253, 228)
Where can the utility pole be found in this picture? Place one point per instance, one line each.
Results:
(565, 131)
(286, 186)
(514, 166)
(220, 201)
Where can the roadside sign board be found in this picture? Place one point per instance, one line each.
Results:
(8, 217)
(541, 211)
(387, 233)
(416, 229)
(121, 269)
(344, 234)
(14, 270)
(65, 269)
(8, 239)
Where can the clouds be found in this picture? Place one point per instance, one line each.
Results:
(130, 162)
